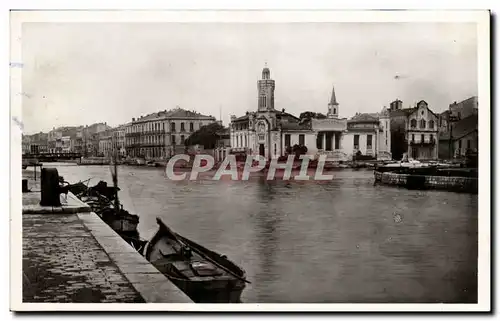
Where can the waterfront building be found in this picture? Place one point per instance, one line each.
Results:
(460, 138)
(263, 132)
(161, 135)
(415, 131)
(222, 145)
(458, 129)
(105, 143)
(118, 140)
(26, 142)
(465, 108)
(35, 144)
(91, 138)
(55, 141)
(272, 133)
(66, 144)
(422, 133)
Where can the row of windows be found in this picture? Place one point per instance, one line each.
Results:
(145, 140)
(413, 124)
(159, 126)
(422, 137)
(239, 141)
(302, 140)
(154, 140)
(369, 141)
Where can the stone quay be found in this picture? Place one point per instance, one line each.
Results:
(70, 255)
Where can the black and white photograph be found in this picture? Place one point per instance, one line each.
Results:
(250, 160)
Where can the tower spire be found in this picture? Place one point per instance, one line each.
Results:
(333, 106)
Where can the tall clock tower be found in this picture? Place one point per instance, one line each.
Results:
(265, 87)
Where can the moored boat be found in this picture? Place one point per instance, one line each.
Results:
(204, 275)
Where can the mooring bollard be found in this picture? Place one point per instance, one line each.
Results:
(25, 186)
(50, 187)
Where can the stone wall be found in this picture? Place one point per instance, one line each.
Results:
(450, 183)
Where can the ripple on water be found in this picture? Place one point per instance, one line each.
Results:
(333, 241)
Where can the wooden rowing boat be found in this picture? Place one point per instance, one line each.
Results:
(205, 276)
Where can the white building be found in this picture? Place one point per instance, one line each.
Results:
(272, 133)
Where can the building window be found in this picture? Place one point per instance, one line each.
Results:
(173, 140)
(191, 127)
(422, 138)
(182, 139)
(431, 124)
(319, 141)
(412, 137)
(287, 140)
(301, 140)
(337, 141)
(275, 149)
(172, 126)
(356, 141)
(431, 138)
(460, 145)
(422, 123)
(246, 140)
(413, 123)
(182, 127)
(334, 111)
(369, 142)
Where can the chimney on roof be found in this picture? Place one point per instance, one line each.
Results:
(133, 119)
(282, 110)
(233, 117)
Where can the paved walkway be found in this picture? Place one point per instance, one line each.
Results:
(71, 255)
(63, 262)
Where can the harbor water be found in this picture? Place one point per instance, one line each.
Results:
(341, 241)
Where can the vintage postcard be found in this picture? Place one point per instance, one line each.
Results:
(246, 160)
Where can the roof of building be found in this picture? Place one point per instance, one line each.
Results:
(174, 113)
(333, 99)
(402, 112)
(471, 100)
(461, 128)
(296, 126)
(364, 118)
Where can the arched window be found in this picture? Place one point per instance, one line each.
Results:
(431, 124)
(413, 123)
(422, 123)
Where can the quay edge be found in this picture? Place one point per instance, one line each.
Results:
(412, 181)
(71, 246)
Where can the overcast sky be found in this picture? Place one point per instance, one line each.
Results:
(77, 74)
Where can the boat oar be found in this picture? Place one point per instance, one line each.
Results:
(176, 238)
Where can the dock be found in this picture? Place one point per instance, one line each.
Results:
(70, 255)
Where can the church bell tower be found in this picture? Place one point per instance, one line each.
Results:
(265, 87)
(333, 106)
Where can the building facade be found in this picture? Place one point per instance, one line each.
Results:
(422, 133)
(161, 135)
(465, 108)
(266, 132)
(272, 133)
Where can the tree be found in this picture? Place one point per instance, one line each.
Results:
(308, 115)
(205, 136)
(298, 150)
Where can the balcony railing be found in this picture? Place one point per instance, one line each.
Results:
(424, 142)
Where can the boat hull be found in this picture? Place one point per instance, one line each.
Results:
(216, 288)
(213, 291)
